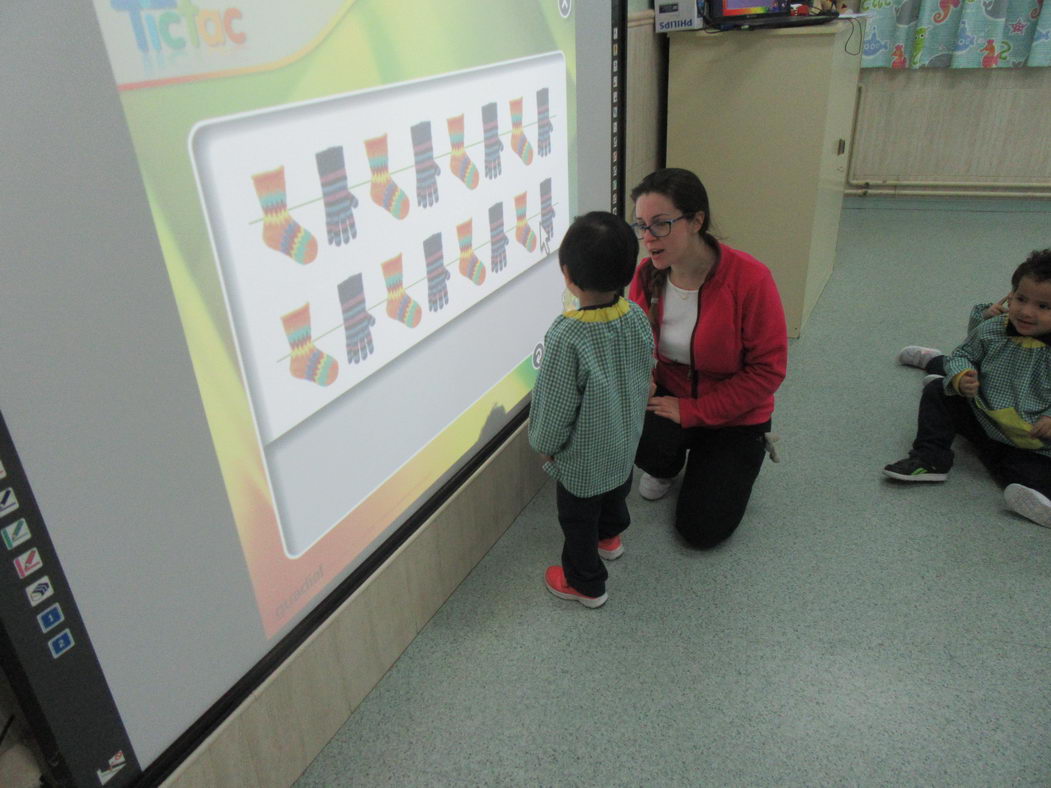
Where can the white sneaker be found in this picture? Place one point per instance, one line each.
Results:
(770, 440)
(916, 356)
(1029, 503)
(928, 378)
(653, 489)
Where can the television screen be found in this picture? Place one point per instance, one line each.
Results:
(736, 11)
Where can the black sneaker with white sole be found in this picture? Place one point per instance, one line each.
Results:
(913, 469)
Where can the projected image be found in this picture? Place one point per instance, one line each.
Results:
(348, 232)
(360, 221)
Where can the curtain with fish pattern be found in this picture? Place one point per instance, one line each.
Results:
(956, 33)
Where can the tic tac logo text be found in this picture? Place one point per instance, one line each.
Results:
(173, 25)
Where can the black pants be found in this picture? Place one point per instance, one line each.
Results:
(941, 418)
(584, 522)
(936, 366)
(722, 464)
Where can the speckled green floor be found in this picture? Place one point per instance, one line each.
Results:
(852, 632)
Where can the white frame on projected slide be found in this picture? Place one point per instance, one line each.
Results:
(303, 403)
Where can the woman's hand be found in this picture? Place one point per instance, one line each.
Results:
(665, 407)
(1042, 428)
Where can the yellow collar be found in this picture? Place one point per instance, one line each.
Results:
(606, 314)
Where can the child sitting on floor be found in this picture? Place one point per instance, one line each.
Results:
(996, 392)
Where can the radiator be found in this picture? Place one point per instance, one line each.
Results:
(953, 131)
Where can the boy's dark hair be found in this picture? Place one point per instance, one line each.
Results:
(599, 252)
(1037, 266)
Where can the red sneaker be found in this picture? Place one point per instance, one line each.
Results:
(555, 580)
(610, 549)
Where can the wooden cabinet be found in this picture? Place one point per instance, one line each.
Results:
(764, 117)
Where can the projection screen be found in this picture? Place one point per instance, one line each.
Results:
(274, 273)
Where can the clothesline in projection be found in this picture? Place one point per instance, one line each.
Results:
(447, 155)
(282, 233)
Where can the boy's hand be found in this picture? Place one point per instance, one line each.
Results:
(1042, 428)
(968, 385)
(546, 458)
(996, 309)
(665, 407)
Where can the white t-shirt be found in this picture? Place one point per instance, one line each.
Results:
(678, 322)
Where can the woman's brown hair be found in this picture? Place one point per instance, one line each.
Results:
(689, 196)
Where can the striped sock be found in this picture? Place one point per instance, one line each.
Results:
(519, 142)
(470, 265)
(280, 231)
(385, 192)
(460, 163)
(308, 363)
(523, 232)
(400, 305)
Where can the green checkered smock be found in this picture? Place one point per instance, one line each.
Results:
(976, 316)
(590, 396)
(1014, 373)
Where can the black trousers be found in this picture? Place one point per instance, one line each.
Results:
(936, 366)
(584, 522)
(722, 464)
(941, 418)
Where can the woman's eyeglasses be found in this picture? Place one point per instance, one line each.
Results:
(656, 229)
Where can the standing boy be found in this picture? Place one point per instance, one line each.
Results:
(590, 400)
(996, 393)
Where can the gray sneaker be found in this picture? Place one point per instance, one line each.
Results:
(1029, 503)
(916, 356)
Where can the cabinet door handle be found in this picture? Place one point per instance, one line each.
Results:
(841, 147)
